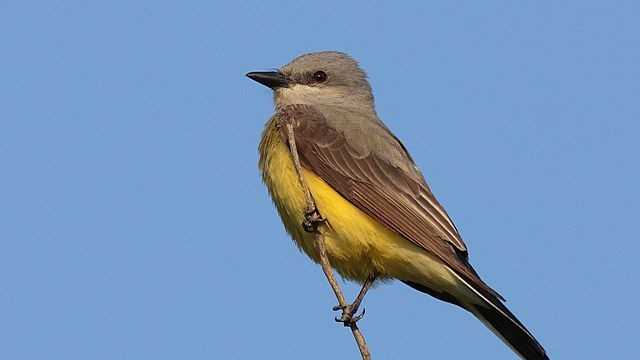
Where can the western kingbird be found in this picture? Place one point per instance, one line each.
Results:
(383, 221)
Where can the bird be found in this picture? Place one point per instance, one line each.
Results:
(380, 219)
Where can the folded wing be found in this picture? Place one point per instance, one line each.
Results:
(394, 196)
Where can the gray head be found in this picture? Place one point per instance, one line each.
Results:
(321, 78)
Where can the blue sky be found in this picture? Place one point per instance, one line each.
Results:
(134, 225)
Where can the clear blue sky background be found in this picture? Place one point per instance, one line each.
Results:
(133, 223)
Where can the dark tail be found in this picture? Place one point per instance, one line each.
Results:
(503, 323)
(495, 315)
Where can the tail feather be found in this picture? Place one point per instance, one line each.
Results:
(510, 330)
(497, 317)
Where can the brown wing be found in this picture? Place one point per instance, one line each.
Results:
(395, 197)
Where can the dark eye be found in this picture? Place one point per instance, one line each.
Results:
(320, 76)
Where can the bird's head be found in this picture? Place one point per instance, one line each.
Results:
(320, 78)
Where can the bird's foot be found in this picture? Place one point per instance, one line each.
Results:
(348, 316)
(312, 219)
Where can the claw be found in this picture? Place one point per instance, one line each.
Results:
(312, 219)
(308, 226)
(358, 317)
(348, 318)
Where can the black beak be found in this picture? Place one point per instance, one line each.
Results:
(272, 79)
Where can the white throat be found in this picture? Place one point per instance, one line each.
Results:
(324, 96)
(299, 94)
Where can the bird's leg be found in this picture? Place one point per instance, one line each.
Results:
(349, 312)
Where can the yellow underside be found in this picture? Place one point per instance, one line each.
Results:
(357, 245)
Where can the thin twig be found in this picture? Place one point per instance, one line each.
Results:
(311, 204)
(322, 251)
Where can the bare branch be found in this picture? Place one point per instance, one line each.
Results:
(322, 251)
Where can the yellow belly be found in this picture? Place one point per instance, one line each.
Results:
(357, 245)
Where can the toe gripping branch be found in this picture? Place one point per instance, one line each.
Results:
(348, 317)
(312, 220)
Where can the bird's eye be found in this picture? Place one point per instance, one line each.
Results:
(320, 76)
